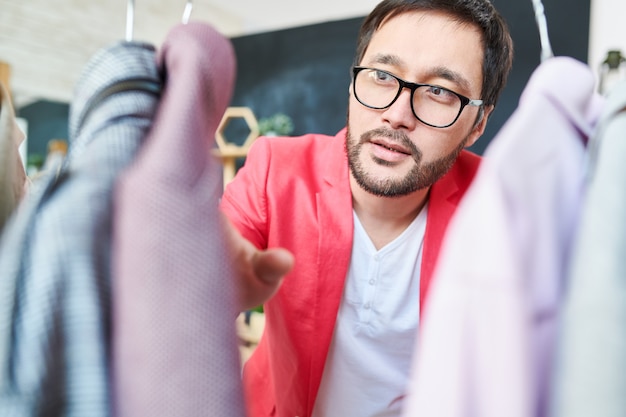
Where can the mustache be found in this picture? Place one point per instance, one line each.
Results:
(395, 136)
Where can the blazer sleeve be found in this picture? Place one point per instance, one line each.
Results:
(245, 198)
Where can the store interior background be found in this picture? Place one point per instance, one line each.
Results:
(293, 57)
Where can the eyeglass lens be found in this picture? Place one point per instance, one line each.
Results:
(435, 106)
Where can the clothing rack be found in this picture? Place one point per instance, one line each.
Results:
(130, 17)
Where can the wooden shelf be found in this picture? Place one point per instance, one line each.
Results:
(226, 150)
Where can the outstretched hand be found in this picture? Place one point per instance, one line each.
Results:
(260, 272)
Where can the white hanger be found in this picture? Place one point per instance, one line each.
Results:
(130, 17)
(540, 17)
(130, 20)
(187, 12)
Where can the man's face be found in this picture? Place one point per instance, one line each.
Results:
(390, 152)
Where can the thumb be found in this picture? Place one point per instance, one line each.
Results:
(271, 265)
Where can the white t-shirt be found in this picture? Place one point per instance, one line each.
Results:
(369, 360)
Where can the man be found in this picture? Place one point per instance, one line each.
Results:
(363, 213)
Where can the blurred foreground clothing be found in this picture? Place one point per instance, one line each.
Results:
(489, 328)
(175, 346)
(12, 174)
(55, 254)
(590, 378)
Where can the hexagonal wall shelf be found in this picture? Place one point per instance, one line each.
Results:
(234, 113)
(227, 150)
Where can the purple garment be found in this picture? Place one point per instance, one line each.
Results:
(174, 342)
(489, 329)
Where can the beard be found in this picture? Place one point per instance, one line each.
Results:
(422, 175)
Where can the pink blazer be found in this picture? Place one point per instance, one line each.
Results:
(295, 193)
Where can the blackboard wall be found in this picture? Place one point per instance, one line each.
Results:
(302, 72)
(46, 120)
(305, 72)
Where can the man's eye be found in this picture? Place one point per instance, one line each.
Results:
(441, 93)
(437, 91)
(383, 76)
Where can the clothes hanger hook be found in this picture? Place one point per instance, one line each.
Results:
(187, 12)
(130, 19)
(542, 24)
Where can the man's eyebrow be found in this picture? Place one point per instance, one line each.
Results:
(386, 59)
(450, 75)
(439, 72)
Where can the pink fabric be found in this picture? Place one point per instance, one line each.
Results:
(174, 343)
(490, 324)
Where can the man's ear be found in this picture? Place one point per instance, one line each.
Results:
(479, 126)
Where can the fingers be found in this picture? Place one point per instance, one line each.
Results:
(261, 278)
(271, 265)
(259, 272)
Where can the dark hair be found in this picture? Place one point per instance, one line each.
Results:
(497, 42)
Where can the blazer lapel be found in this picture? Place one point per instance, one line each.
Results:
(334, 208)
(445, 196)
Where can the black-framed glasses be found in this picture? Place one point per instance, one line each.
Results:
(432, 105)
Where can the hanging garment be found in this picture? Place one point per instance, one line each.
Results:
(12, 174)
(488, 329)
(591, 355)
(55, 256)
(175, 346)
